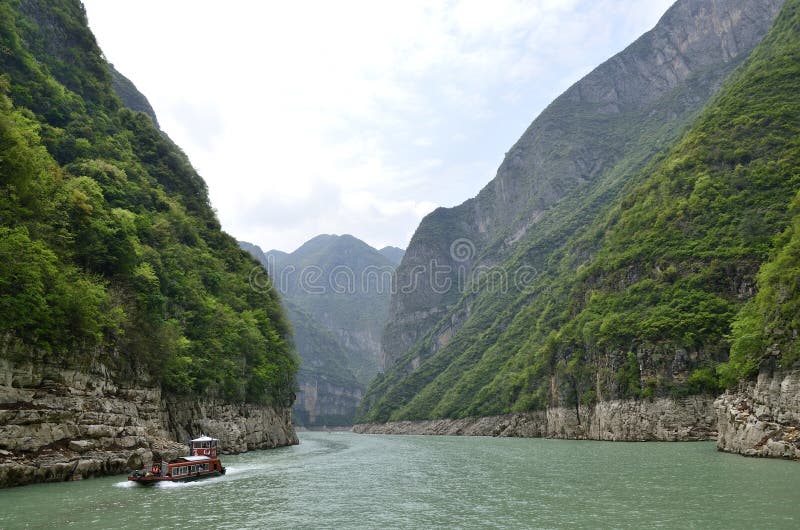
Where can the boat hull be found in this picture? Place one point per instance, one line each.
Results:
(152, 480)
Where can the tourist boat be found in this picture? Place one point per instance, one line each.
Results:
(202, 462)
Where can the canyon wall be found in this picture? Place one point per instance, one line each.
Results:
(684, 419)
(61, 424)
(322, 403)
(762, 417)
(587, 142)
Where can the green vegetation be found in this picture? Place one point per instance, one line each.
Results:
(109, 249)
(347, 294)
(336, 290)
(324, 366)
(323, 356)
(769, 323)
(642, 288)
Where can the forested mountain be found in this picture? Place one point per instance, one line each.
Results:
(337, 291)
(109, 250)
(638, 207)
(393, 254)
(328, 392)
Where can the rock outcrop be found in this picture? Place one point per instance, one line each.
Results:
(130, 96)
(687, 419)
(762, 417)
(63, 424)
(322, 403)
(597, 132)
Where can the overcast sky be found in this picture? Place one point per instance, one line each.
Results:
(353, 117)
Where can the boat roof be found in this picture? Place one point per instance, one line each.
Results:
(194, 458)
(204, 438)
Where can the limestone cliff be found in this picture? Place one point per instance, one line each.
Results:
(121, 299)
(61, 424)
(666, 420)
(344, 284)
(324, 403)
(328, 391)
(762, 417)
(573, 158)
(130, 95)
(631, 284)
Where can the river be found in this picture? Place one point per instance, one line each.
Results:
(344, 480)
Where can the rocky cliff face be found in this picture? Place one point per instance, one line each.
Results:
(762, 417)
(686, 419)
(328, 391)
(61, 424)
(322, 403)
(583, 145)
(130, 95)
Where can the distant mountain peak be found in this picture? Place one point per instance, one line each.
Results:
(393, 254)
(337, 325)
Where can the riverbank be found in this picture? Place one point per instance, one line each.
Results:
(341, 428)
(686, 419)
(760, 418)
(60, 424)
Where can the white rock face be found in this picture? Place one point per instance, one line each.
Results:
(690, 418)
(60, 424)
(762, 418)
(240, 427)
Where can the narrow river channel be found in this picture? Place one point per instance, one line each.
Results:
(343, 480)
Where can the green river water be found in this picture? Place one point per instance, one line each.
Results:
(343, 480)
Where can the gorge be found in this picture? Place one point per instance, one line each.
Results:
(631, 273)
(336, 290)
(636, 202)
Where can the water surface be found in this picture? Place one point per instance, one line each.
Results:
(344, 480)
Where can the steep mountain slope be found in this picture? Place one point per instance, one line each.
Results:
(115, 277)
(345, 285)
(130, 96)
(575, 156)
(627, 301)
(328, 392)
(393, 254)
(337, 292)
(762, 416)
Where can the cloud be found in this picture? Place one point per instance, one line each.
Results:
(355, 116)
(199, 122)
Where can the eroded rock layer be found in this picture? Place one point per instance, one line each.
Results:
(61, 424)
(687, 419)
(762, 417)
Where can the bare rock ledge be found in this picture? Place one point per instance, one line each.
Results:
(762, 417)
(60, 424)
(690, 418)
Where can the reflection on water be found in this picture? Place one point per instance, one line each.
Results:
(345, 480)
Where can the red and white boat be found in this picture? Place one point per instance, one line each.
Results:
(202, 462)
